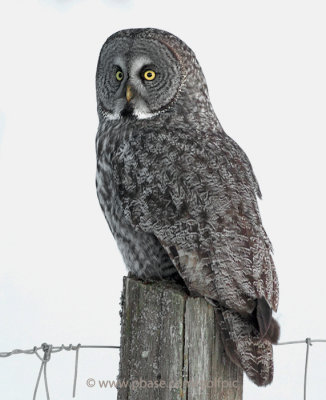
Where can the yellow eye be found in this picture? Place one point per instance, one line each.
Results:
(149, 75)
(119, 75)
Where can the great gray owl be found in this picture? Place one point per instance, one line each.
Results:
(179, 194)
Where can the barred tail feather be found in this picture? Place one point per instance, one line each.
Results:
(245, 346)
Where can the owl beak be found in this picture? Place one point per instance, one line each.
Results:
(129, 94)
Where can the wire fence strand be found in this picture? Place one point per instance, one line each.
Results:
(308, 343)
(48, 350)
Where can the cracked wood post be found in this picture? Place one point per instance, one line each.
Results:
(170, 348)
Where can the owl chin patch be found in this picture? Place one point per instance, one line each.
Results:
(128, 111)
(131, 113)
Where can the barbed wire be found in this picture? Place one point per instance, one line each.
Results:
(48, 349)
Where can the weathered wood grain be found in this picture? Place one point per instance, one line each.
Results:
(170, 347)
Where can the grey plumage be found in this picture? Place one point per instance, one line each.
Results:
(179, 194)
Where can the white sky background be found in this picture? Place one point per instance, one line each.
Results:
(61, 273)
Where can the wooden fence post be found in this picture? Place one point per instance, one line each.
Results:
(170, 348)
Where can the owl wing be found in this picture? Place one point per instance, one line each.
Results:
(198, 195)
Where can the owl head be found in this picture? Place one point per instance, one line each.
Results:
(143, 73)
